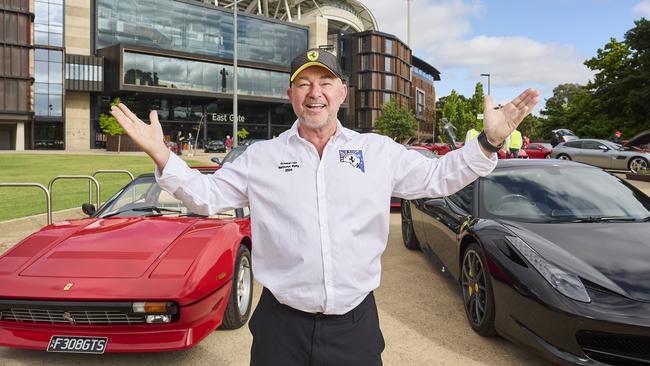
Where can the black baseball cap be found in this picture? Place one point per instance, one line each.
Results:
(315, 57)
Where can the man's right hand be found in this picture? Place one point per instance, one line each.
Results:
(149, 137)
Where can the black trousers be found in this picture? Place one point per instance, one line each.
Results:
(284, 336)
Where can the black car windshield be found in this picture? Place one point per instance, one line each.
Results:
(560, 194)
(143, 197)
(234, 154)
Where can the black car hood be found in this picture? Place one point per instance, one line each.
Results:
(642, 138)
(612, 255)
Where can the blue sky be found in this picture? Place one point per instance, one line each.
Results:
(533, 43)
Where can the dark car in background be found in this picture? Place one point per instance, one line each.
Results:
(552, 255)
(215, 146)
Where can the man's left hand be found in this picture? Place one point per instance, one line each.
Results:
(499, 123)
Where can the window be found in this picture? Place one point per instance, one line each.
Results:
(573, 144)
(591, 145)
(363, 96)
(48, 22)
(463, 198)
(361, 116)
(176, 73)
(387, 64)
(180, 26)
(387, 97)
(365, 62)
(388, 82)
(48, 83)
(389, 46)
(419, 102)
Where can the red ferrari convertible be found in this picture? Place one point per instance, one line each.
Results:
(141, 274)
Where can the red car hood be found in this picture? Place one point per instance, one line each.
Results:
(106, 248)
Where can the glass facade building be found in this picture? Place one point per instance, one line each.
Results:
(178, 60)
(197, 29)
(176, 73)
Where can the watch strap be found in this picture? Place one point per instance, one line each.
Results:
(482, 139)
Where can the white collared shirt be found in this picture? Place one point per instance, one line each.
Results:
(320, 225)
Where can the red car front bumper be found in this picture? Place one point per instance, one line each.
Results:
(196, 322)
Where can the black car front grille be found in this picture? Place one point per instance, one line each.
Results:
(69, 312)
(92, 317)
(615, 349)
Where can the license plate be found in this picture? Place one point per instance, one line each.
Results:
(77, 344)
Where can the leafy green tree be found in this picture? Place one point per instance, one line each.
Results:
(110, 126)
(476, 106)
(242, 133)
(396, 122)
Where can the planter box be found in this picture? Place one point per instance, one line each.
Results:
(126, 145)
(635, 176)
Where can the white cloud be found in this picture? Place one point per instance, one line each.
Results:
(433, 22)
(642, 8)
(443, 36)
(514, 61)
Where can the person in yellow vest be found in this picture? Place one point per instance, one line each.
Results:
(472, 133)
(516, 141)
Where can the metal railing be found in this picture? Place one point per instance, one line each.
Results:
(48, 190)
(111, 171)
(38, 185)
(90, 178)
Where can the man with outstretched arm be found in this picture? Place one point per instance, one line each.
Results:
(319, 197)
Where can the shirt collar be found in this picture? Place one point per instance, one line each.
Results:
(340, 131)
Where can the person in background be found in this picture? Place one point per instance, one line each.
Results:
(179, 142)
(617, 137)
(228, 143)
(555, 139)
(505, 149)
(471, 133)
(526, 142)
(516, 143)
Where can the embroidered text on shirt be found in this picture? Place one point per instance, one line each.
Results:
(288, 166)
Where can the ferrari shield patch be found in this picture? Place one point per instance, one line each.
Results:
(352, 157)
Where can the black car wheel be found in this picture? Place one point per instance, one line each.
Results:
(408, 234)
(241, 294)
(564, 157)
(477, 291)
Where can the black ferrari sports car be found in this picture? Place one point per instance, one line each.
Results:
(552, 255)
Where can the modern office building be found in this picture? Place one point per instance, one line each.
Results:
(16, 113)
(178, 60)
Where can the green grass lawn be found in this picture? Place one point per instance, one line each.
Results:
(41, 168)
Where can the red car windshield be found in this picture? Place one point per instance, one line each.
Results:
(143, 197)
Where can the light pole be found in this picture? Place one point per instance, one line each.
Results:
(235, 139)
(488, 76)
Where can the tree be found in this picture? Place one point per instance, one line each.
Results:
(242, 133)
(476, 106)
(110, 126)
(396, 122)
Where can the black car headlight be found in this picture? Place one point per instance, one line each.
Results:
(566, 283)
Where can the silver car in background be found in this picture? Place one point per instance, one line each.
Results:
(602, 153)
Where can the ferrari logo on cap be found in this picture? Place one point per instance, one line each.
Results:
(312, 55)
(68, 286)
